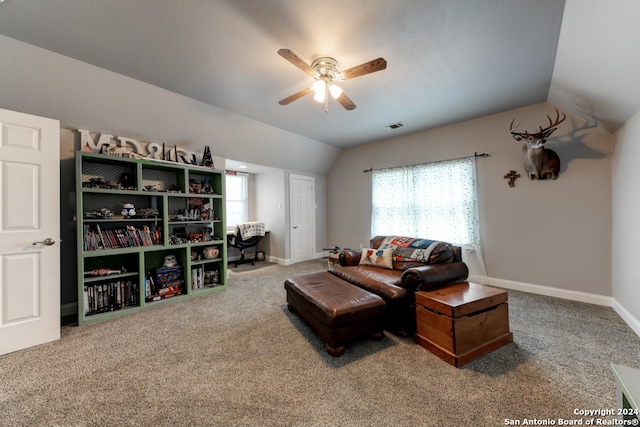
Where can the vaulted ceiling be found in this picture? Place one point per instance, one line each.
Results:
(448, 60)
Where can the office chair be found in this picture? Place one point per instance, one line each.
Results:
(236, 241)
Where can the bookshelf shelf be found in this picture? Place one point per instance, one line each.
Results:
(133, 249)
(92, 279)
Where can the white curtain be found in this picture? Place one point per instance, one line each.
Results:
(435, 201)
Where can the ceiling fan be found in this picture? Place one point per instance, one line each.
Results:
(326, 72)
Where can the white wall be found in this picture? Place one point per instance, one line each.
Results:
(83, 96)
(626, 227)
(550, 237)
(273, 208)
(596, 69)
(270, 208)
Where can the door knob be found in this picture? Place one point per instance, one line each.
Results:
(48, 241)
(295, 226)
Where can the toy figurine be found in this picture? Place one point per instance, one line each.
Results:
(207, 160)
(170, 261)
(128, 210)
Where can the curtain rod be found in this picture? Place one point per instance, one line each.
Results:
(476, 154)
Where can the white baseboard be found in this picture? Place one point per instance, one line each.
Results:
(626, 316)
(276, 260)
(482, 280)
(552, 292)
(290, 261)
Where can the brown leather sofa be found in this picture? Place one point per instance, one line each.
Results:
(397, 286)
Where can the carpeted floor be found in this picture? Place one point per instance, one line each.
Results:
(238, 357)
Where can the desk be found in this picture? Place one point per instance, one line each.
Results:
(627, 391)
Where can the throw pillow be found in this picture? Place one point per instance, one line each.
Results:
(377, 258)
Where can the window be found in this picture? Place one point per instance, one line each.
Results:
(434, 201)
(237, 199)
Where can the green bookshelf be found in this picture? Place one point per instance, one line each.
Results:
(170, 247)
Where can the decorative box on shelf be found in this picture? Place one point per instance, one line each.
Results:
(165, 282)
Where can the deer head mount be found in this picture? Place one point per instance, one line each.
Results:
(539, 162)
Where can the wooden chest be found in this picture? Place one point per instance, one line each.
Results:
(462, 322)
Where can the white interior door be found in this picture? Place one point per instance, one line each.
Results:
(303, 218)
(29, 230)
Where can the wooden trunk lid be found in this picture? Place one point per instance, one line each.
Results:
(461, 299)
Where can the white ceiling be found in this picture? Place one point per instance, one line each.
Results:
(448, 60)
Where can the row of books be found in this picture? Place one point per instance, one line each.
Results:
(103, 297)
(95, 238)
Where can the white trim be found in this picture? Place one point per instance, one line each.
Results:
(552, 292)
(289, 261)
(277, 260)
(281, 261)
(482, 280)
(626, 316)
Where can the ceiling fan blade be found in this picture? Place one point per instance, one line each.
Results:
(295, 96)
(346, 102)
(296, 60)
(366, 68)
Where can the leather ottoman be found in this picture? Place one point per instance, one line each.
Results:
(338, 311)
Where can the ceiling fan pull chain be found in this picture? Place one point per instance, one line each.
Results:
(326, 97)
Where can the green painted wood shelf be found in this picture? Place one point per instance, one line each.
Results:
(179, 211)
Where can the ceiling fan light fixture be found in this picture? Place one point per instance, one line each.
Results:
(336, 91)
(319, 87)
(325, 71)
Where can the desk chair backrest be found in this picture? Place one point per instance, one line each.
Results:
(236, 240)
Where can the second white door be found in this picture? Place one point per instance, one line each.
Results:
(303, 219)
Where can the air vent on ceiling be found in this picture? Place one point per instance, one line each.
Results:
(394, 126)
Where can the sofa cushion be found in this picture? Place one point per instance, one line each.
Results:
(377, 257)
(411, 249)
(380, 281)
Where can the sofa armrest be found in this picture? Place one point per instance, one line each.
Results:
(429, 276)
(350, 257)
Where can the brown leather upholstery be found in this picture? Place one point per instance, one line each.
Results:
(335, 309)
(380, 281)
(397, 286)
(430, 276)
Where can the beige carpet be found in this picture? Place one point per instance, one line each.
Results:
(239, 358)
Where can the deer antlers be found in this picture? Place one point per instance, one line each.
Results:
(543, 133)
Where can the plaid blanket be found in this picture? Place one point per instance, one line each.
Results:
(409, 248)
(250, 229)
